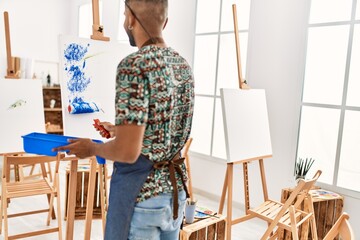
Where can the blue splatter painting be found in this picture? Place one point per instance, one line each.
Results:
(75, 68)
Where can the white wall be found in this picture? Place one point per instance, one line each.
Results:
(276, 50)
(180, 30)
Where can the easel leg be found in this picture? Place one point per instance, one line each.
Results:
(103, 193)
(227, 188)
(71, 200)
(246, 187)
(223, 194)
(90, 199)
(263, 179)
(230, 167)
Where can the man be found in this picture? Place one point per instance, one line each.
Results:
(154, 107)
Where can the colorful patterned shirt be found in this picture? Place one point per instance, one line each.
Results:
(155, 88)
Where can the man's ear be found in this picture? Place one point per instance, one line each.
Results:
(166, 21)
(131, 19)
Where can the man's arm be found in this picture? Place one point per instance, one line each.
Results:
(125, 147)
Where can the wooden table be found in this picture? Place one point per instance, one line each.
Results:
(212, 228)
(327, 207)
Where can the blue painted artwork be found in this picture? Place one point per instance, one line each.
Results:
(75, 52)
(77, 81)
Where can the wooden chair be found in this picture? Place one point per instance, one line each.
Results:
(28, 188)
(288, 215)
(22, 173)
(341, 228)
(27, 171)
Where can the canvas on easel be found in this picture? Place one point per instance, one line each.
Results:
(247, 136)
(87, 78)
(21, 111)
(246, 125)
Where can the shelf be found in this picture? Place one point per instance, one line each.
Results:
(51, 88)
(53, 109)
(53, 116)
(55, 131)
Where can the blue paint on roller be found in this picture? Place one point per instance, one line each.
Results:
(78, 106)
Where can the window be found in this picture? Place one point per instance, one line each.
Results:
(215, 67)
(122, 36)
(330, 114)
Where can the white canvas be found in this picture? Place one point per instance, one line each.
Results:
(97, 61)
(21, 112)
(246, 125)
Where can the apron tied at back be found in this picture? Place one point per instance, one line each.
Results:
(174, 165)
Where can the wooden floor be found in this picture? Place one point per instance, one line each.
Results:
(251, 230)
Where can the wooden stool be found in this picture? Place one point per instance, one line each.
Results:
(82, 192)
(212, 228)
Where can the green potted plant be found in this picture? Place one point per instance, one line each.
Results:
(302, 167)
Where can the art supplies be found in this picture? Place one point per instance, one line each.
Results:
(190, 211)
(204, 212)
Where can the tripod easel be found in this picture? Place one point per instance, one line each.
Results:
(103, 174)
(228, 181)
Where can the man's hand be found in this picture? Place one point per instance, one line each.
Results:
(82, 147)
(106, 129)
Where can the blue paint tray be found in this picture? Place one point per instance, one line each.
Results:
(42, 143)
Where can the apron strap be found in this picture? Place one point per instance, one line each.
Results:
(174, 165)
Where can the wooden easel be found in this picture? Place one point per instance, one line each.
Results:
(97, 35)
(242, 83)
(228, 181)
(10, 72)
(98, 29)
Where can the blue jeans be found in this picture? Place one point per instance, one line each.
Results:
(153, 218)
